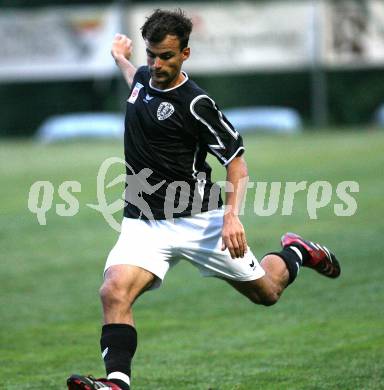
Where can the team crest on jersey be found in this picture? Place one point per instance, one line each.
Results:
(165, 110)
(135, 92)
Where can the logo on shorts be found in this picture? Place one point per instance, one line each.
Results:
(165, 110)
(252, 265)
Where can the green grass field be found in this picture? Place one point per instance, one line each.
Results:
(196, 333)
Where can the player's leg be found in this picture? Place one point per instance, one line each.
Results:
(138, 261)
(262, 283)
(267, 289)
(122, 285)
(202, 247)
(281, 268)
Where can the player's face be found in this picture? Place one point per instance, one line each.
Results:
(165, 60)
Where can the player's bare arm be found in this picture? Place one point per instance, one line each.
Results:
(233, 233)
(121, 52)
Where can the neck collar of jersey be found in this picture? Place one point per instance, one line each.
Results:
(170, 89)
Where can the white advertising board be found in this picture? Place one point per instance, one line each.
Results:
(74, 42)
(57, 43)
(241, 36)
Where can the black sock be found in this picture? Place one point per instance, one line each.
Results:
(293, 258)
(118, 345)
(303, 251)
(121, 384)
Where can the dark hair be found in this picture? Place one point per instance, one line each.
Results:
(162, 23)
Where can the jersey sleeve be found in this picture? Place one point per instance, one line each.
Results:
(141, 77)
(215, 131)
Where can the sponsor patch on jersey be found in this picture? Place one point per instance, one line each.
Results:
(165, 110)
(135, 93)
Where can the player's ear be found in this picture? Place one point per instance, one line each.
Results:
(185, 53)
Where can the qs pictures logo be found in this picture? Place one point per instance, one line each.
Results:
(266, 198)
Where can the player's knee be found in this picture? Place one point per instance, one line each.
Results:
(269, 299)
(268, 295)
(265, 299)
(112, 294)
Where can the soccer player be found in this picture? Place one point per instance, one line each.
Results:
(171, 124)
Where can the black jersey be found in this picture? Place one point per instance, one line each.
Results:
(168, 134)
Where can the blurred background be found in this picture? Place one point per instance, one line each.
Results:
(322, 59)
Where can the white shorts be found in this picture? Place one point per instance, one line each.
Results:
(157, 245)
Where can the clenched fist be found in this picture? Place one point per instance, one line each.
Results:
(121, 48)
